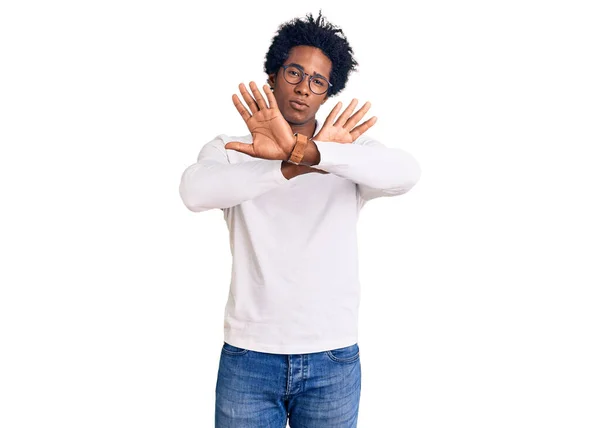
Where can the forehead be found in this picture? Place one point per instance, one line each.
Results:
(312, 59)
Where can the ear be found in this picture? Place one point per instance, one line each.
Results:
(325, 99)
(271, 80)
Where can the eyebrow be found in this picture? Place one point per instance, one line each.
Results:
(302, 68)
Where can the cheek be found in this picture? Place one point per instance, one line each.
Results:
(280, 100)
(279, 94)
(318, 105)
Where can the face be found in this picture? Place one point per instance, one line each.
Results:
(298, 103)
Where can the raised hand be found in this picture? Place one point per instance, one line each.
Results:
(272, 136)
(344, 129)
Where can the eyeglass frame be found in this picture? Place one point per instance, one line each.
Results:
(310, 78)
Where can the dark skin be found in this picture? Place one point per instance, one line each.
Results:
(292, 109)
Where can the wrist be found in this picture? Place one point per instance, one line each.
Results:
(298, 151)
(312, 156)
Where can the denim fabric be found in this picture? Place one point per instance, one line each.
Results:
(261, 390)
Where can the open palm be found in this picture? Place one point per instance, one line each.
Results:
(272, 136)
(344, 129)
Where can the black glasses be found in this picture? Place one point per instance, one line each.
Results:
(317, 84)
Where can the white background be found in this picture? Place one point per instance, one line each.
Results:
(479, 287)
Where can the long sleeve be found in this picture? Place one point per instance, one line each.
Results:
(375, 168)
(214, 182)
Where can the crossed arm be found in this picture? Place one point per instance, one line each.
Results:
(272, 136)
(213, 182)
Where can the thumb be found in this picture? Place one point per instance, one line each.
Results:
(241, 147)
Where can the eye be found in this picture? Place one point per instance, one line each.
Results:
(318, 82)
(293, 72)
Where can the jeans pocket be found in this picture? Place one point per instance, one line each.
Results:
(349, 354)
(233, 350)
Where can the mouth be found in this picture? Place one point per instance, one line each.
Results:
(298, 105)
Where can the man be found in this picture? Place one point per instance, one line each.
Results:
(291, 192)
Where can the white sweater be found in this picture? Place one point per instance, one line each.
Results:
(294, 285)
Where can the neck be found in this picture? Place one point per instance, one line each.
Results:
(307, 128)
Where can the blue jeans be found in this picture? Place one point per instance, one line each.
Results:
(261, 390)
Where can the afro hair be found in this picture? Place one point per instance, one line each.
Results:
(317, 33)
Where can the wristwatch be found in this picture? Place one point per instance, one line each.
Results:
(299, 147)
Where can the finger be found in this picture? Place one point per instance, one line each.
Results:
(270, 97)
(241, 108)
(262, 105)
(241, 147)
(344, 116)
(356, 117)
(248, 98)
(331, 116)
(362, 128)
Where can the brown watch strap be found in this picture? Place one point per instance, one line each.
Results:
(299, 148)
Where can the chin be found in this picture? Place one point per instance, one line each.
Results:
(296, 118)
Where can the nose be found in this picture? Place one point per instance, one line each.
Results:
(302, 88)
